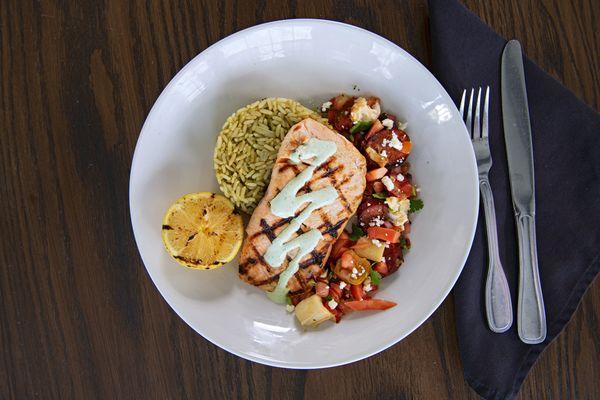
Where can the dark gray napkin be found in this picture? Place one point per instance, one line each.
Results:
(566, 145)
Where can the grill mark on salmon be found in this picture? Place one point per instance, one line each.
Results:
(331, 171)
(316, 258)
(267, 230)
(286, 166)
(328, 172)
(260, 257)
(263, 282)
(343, 199)
(332, 230)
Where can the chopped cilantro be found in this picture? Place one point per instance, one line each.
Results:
(357, 233)
(415, 205)
(328, 298)
(380, 196)
(375, 277)
(360, 126)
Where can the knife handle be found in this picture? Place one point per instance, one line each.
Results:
(498, 305)
(531, 314)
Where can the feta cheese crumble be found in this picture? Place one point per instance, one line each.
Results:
(400, 177)
(361, 111)
(376, 242)
(395, 142)
(332, 304)
(367, 285)
(326, 106)
(388, 123)
(343, 285)
(377, 221)
(387, 182)
(289, 308)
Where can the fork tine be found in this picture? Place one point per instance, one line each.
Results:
(462, 104)
(477, 122)
(486, 107)
(470, 114)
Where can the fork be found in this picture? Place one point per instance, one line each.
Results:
(497, 295)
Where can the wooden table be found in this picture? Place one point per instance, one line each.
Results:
(79, 316)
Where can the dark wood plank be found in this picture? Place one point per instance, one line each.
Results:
(79, 316)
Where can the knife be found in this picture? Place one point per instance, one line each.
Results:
(531, 315)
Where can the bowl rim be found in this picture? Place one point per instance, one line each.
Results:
(475, 195)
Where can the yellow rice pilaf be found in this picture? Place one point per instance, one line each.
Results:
(247, 147)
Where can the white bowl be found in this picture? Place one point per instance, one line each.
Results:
(310, 61)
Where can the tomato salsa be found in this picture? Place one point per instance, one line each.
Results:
(374, 246)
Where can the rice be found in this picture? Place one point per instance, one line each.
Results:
(247, 147)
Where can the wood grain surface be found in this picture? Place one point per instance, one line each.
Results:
(79, 316)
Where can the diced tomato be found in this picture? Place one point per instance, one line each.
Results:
(402, 136)
(338, 102)
(387, 234)
(405, 187)
(376, 127)
(406, 147)
(343, 242)
(322, 289)
(376, 174)
(372, 100)
(339, 115)
(337, 312)
(382, 268)
(342, 307)
(378, 187)
(393, 257)
(373, 304)
(357, 292)
(402, 189)
(335, 256)
(335, 291)
(347, 260)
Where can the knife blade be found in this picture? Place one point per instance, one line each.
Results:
(531, 315)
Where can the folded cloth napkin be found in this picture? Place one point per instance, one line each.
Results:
(566, 147)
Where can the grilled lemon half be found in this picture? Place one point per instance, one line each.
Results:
(202, 231)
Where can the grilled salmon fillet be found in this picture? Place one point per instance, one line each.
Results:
(345, 171)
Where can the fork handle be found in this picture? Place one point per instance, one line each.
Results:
(497, 294)
(531, 314)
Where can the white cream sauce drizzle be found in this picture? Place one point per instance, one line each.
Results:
(314, 153)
